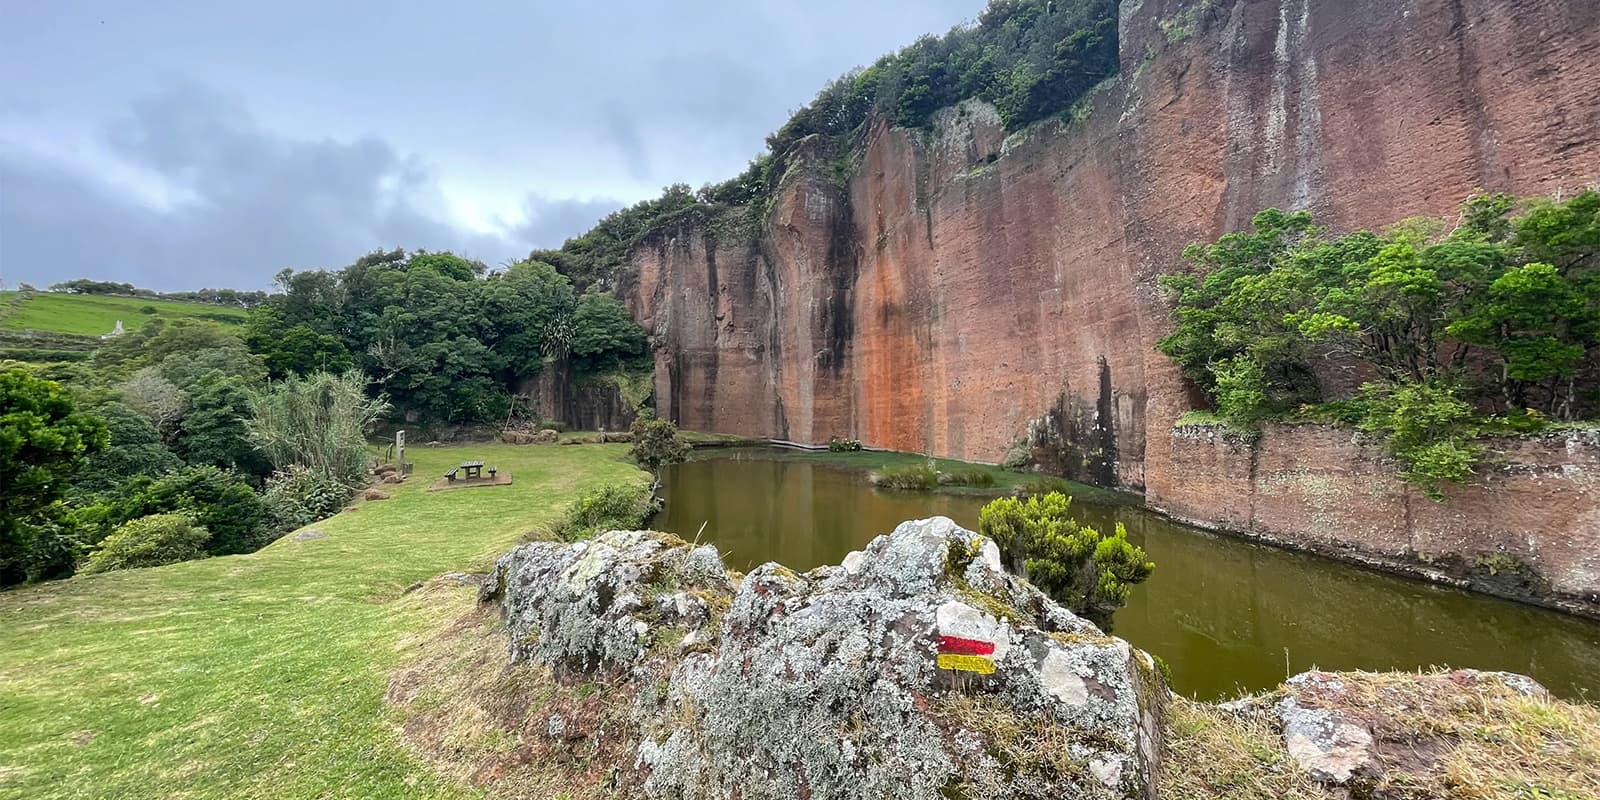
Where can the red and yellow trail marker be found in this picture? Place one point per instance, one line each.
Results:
(966, 655)
(969, 639)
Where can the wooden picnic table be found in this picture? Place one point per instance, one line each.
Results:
(474, 469)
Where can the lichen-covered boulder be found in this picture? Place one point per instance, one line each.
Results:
(917, 669)
(597, 605)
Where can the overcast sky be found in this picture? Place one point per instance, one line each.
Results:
(177, 145)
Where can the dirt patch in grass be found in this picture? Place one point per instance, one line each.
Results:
(1443, 735)
(515, 731)
(501, 479)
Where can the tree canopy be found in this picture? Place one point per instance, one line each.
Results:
(43, 440)
(440, 341)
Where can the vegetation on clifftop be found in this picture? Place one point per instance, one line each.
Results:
(1030, 59)
(1427, 334)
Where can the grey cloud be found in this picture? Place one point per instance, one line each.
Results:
(561, 100)
(550, 222)
(622, 134)
(259, 202)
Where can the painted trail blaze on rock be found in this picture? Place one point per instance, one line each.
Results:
(969, 640)
(966, 655)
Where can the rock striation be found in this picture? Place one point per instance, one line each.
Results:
(917, 669)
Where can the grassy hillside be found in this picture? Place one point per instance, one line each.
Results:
(261, 676)
(93, 315)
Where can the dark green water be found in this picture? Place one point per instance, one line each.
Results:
(1225, 614)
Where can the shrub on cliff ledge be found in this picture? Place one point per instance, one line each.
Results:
(1490, 324)
(1083, 569)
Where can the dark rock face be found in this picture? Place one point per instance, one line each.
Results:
(941, 303)
(909, 671)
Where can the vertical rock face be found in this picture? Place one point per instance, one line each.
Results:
(967, 289)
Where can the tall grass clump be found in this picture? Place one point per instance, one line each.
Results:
(318, 422)
(967, 476)
(913, 477)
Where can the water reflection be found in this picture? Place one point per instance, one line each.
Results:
(1225, 614)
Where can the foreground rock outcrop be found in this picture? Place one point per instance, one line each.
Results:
(918, 669)
(640, 668)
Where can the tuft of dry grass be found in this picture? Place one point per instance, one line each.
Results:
(1208, 754)
(483, 721)
(1438, 735)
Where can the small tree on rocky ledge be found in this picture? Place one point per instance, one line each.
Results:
(1083, 569)
(656, 444)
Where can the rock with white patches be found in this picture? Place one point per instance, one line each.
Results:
(868, 680)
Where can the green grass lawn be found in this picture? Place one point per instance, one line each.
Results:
(262, 676)
(93, 315)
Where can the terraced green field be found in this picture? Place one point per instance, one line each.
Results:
(93, 315)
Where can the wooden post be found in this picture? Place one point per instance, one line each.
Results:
(400, 452)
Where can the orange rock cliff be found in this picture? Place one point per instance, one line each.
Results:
(966, 289)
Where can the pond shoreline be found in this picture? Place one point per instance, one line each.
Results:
(1008, 481)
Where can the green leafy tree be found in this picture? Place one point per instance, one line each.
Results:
(294, 350)
(214, 431)
(1084, 570)
(604, 332)
(151, 541)
(527, 310)
(449, 265)
(134, 448)
(656, 444)
(43, 441)
(1499, 314)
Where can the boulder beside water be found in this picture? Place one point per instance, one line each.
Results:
(916, 669)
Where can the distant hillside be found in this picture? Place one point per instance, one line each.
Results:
(93, 315)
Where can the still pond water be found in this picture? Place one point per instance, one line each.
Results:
(1227, 615)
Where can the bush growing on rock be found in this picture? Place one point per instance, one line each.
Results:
(1087, 571)
(149, 542)
(618, 507)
